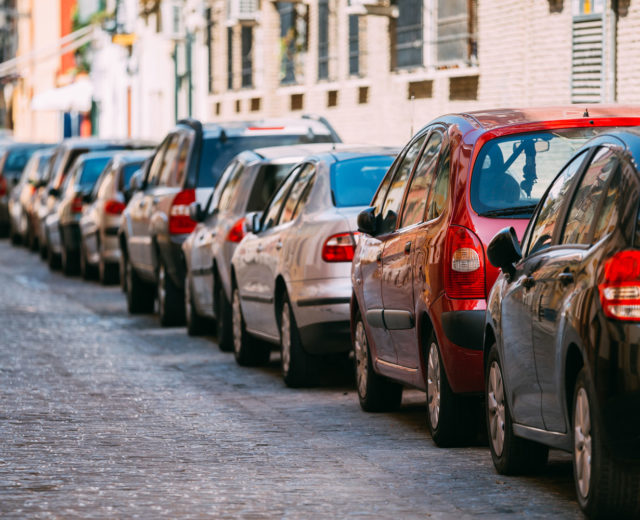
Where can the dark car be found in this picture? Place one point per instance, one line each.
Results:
(185, 169)
(13, 159)
(420, 273)
(563, 330)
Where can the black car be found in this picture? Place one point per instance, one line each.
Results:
(184, 169)
(562, 343)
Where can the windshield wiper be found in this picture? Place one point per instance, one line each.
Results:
(503, 212)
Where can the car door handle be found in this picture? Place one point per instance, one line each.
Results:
(529, 282)
(407, 248)
(279, 246)
(566, 277)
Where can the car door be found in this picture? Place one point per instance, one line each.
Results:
(403, 259)
(558, 274)
(519, 366)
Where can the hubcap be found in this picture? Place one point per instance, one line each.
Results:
(237, 323)
(285, 338)
(582, 442)
(361, 349)
(433, 385)
(161, 290)
(495, 404)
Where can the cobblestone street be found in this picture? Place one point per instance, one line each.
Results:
(107, 415)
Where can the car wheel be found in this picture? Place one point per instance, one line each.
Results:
(196, 324)
(170, 300)
(122, 268)
(52, 259)
(87, 271)
(296, 363)
(224, 323)
(247, 350)
(375, 392)
(511, 455)
(69, 261)
(604, 488)
(108, 272)
(140, 296)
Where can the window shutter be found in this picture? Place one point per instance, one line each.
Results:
(588, 59)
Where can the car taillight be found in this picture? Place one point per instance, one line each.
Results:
(114, 207)
(237, 231)
(76, 204)
(339, 248)
(620, 289)
(179, 220)
(464, 264)
(3, 186)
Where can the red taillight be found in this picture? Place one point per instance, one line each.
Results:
(464, 264)
(179, 220)
(620, 289)
(237, 231)
(114, 207)
(76, 204)
(3, 186)
(339, 248)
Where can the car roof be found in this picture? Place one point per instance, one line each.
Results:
(294, 150)
(344, 152)
(106, 154)
(273, 126)
(629, 138)
(96, 142)
(23, 145)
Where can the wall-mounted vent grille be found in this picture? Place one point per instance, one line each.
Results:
(588, 59)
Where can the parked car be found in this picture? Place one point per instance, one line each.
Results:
(246, 185)
(63, 222)
(563, 321)
(290, 274)
(185, 169)
(12, 162)
(64, 156)
(420, 273)
(23, 195)
(99, 247)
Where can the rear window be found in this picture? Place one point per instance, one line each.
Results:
(512, 173)
(16, 161)
(267, 181)
(91, 170)
(354, 182)
(127, 172)
(216, 154)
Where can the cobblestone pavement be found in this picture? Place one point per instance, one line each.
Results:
(105, 415)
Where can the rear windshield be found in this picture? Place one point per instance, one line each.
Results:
(16, 161)
(91, 170)
(267, 181)
(511, 173)
(355, 181)
(216, 154)
(127, 173)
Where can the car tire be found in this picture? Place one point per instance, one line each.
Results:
(376, 393)
(296, 364)
(87, 271)
(604, 487)
(196, 324)
(140, 295)
(108, 273)
(52, 259)
(122, 269)
(511, 455)
(69, 262)
(246, 349)
(224, 320)
(170, 299)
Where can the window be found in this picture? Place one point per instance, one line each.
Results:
(229, 58)
(156, 165)
(178, 174)
(545, 221)
(354, 181)
(293, 40)
(608, 217)
(91, 170)
(268, 179)
(247, 56)
(273, 210)
(296, 198)
(456, 39)
(414, 207)
(169, 161)
(127, 172)
(440, 192)
(409, 37)
(227, 196)
(323, 39)
(396, 190)
(354, 45)
(586, 199)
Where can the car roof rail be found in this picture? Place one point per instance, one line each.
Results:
(325, 122)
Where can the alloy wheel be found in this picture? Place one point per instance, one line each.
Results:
(361, 349)
(582, 442)
(237, 322)
(285, 338)
(495, 404)
(433, 385)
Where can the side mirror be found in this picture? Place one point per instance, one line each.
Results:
(195, 212)
(367, 222)
(504, 250)
(253, 222)
(54, 192)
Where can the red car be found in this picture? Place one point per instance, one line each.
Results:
(420, 272)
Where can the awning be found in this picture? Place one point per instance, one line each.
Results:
(72, 98)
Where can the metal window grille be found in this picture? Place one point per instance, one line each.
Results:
(247, 56)
(409, 33)
(230, 58)
(323, 39)
(588, 59)
(456, 38)
(354, 44)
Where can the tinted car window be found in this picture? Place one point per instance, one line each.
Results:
(513, 172)
(545, 221)
(217, 153)
(91, 170)
(226, 197)
(355, 181)
(608, 217)
(153, 175)
(584, 205)
(16, 161)
(127, 172)
(396, 189)
(273, 210)
(440, 191)
(169, 162)
(268, 179)
(296, 195)
(414, 207)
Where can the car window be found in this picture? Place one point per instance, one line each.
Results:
(392, 202)
(608, 213)
(273, 210)
(231, 188)
(267, 181)
(169, 162)
(177, 175)
(418, 191)
(582, 211)
(296, 197)
(378, 198)
(214, 199)
(153, 175)
(545, 221)
(124, 182)
(440, 191)
(354, 181)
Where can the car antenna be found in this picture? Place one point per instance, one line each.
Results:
(586, 113)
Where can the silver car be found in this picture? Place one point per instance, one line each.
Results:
(99, 247)
(290, 275)
(246, 185)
